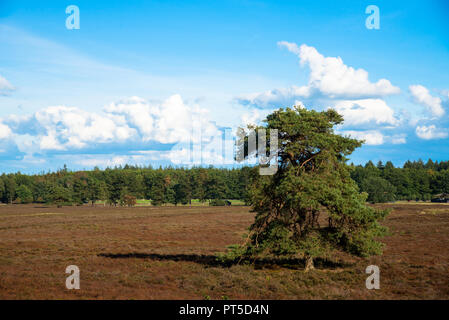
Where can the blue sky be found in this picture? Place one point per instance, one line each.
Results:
(138, 77)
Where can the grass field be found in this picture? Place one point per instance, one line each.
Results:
(168, 253)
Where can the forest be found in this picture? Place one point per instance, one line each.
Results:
(415, 180)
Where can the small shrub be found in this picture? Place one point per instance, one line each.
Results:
(235, 253)
(128, 200)
(217, 203)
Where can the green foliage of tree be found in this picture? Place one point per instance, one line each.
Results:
(181, 193)
(59, 195)
(158, 197)
(10, 188)
(96, 190)
(217, 202)
(24, 194)
(313, 180)
(115, 185)
(414, 181)
(378, 189)
(80, 188)
(215, 187)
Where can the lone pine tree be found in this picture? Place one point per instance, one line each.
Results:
(310, 206)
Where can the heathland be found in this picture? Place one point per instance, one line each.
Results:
(169, 252)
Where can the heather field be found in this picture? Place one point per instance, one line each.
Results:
(169, 253)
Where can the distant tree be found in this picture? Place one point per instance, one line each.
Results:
(149, 179)
(359, 173)
(215, 188)
(24, 194)
(169, 192)
(379, 190)
(39, 188)
(217, 203)
(2, 190)
(380, 165)
(180, 193)
(442, 182)
(159, 189)
(10, 188)
(96, 190)
(199, 183)
(401, 181)
(430, 165)
(59, 195)
(115, 184)
(389, 165)
(80, 190)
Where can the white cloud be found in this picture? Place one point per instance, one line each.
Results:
(101, 162)
(275, 97)
(5, 131)
(445, 93)
(68, 127)
(356, 112)
(135, 112)
(398, 139)
(422, 96)
(253, 118)
(5, 86)
(329, 77)
(375, 137)
(333, 78)
(431, 132)
(123, 127)
(171, 121)
(371, 137)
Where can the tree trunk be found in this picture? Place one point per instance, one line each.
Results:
(309, 264)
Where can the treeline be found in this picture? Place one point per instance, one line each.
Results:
(123, 185)
(414, 181)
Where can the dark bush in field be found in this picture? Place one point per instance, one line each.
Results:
(218, 202)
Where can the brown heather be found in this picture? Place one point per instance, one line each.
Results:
(168, 253)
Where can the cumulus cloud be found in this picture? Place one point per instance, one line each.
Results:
(398, 139)
(356, 112)
(5, 87)
(252, 118)
(8, 148)
(274, 98)
(128, 125)
(375, 137)
(431, 132)
(67, 127)
(105, 162)
(371, 137)
(333, 78)
(329, 77)
(445, 93)
(171, 121)
(422, 96)
(5, 131)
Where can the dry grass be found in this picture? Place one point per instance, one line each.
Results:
(167, 253)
